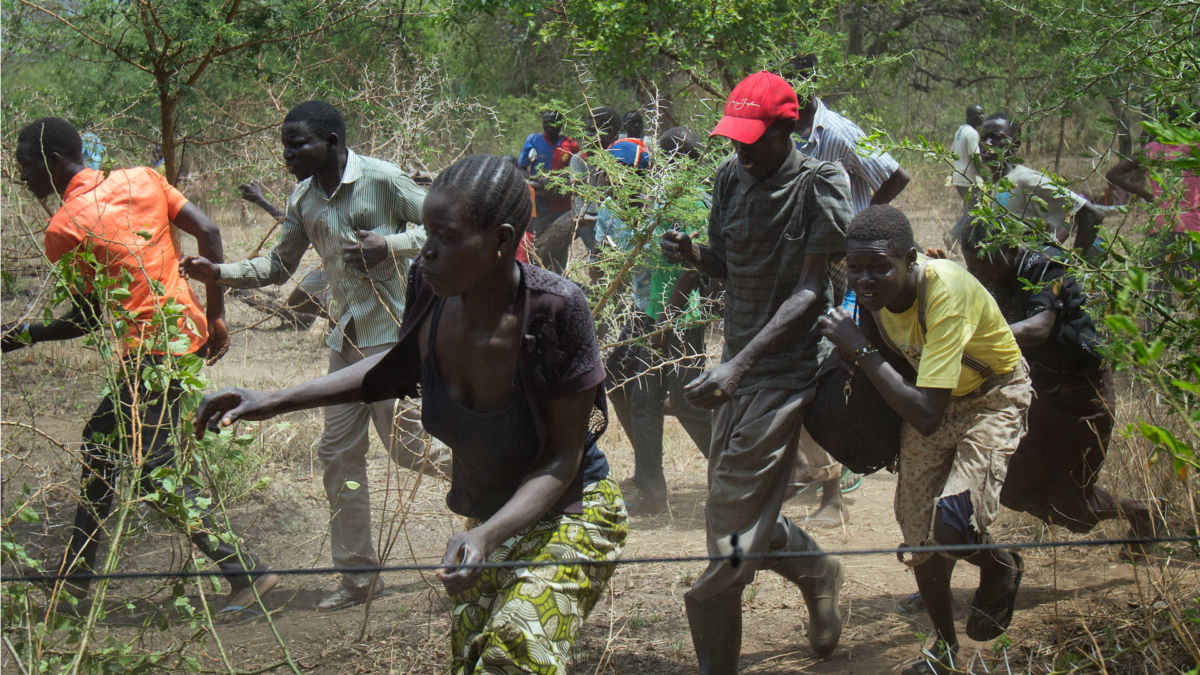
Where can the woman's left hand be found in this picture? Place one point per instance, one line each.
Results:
(464, 548)
(838, 327)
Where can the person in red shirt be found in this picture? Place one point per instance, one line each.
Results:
(124, 220)
(1178, 209)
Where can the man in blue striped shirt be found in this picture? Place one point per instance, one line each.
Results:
(355, 211)
(875, 178)
(823, 134)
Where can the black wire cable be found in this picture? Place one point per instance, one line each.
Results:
(736, 558)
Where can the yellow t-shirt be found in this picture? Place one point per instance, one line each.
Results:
(960, 315)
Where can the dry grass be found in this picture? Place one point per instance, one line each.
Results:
(1077, 601)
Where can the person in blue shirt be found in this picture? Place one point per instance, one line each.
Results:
(541, 154)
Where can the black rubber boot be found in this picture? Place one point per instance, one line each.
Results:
(820, 581)
(716, 632)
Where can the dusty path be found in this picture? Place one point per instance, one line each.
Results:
(638, 628)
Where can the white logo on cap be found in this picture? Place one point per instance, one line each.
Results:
(738, 105)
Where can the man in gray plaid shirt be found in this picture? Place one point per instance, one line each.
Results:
(777, 218)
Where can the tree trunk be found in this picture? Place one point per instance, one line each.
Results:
(854, 31)
(167, 106)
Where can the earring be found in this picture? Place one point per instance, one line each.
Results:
(499, 254)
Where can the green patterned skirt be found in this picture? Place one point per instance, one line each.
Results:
(524, 620)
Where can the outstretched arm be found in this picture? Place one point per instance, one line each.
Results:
(232, 404)
(83, 318)
(273, 268)
(567, 424)
(1119, 176)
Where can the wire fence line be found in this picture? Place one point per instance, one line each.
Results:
(735, 558)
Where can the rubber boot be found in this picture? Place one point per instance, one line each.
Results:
(716, 626)
(820, 581)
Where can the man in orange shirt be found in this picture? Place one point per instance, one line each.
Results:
(124, 221)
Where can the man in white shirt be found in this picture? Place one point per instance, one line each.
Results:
(966, 167)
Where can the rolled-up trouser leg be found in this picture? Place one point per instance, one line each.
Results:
(822, 467)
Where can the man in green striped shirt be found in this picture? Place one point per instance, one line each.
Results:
(355, 211)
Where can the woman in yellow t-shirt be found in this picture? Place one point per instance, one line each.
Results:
(964, 416)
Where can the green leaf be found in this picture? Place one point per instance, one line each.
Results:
(352, 485)
(1120, 322)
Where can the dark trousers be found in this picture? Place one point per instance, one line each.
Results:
(682, 364)
(109, 445)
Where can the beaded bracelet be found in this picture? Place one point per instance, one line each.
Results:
(858, 355)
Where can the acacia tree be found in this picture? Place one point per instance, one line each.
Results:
(712, 45)
(166, 47)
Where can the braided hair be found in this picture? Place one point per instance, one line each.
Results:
(492, 192)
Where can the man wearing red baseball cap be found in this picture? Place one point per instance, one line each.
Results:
(777, 217)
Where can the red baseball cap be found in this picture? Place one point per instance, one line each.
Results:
(755, 103)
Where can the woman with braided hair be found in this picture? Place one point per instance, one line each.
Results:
(505, 359)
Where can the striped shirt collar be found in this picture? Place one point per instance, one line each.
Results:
(351, 173)
(818, 120)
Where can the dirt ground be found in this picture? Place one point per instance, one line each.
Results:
(639, 626)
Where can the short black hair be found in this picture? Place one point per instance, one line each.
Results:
(802, 65)
(320, 117)
(1002, 115)
(634, 124)
(883, 222)
(52, 134)
(605, 119)
(681, 140)
(492, 191)
(555, 116)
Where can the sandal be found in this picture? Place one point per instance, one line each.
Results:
(235, 615)
(850, 481)
(989, 620)
(911, 604)
(345, 597)
(1136, 553)
(242, 601)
